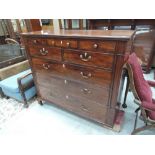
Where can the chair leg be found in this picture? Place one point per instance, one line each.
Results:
(135, 131)
(26, 105)
(1, 93)
(7, 97)
(124, 105)
(136, 111)
(40, 102)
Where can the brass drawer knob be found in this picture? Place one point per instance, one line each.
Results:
(34, 41)
(68, 44)
(95, 46)
(46, 66)
(85, 75)
(53, 43)
(61, 43)
(85, 56)
(86, 91)
(43, 52)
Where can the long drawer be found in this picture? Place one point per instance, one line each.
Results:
(88, 58)
(77, 105)
(46, 52)
(89, 75)
(68, 88)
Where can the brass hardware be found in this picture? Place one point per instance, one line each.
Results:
(35, 41)
(52, 43)
(86, 91)
(85, 56)
(84, 108)
(43, 51)
(61, 43)
(68, 44)
(86, 76)
(46, 66)
(95, 46)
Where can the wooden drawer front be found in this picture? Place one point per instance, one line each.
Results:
(93, 45)
(36, 41)
(65, 43)
(89, 58)
(46, 52)
(72, 88)
(94, 76)
(74, 104)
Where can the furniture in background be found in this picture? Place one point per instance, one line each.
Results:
(80, 71)
(144, 47)
(16, 81)
(70, 24)
(11, 52)
(33, 25)
(130, 24)
(142, 93)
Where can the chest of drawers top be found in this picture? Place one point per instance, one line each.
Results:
(102, 34)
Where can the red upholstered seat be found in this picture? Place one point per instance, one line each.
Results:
(142, 86)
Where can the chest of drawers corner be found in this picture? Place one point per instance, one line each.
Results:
(79, 71)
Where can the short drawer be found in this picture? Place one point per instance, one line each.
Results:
(99, 77)
(76, 89)
(65, 43)
(104, 46)
(89, 58)
(36, 41)
(76, 105)
(46, 52)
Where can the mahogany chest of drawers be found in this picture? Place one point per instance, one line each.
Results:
(79, 70)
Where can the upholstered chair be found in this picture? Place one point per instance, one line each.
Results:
(142, 93)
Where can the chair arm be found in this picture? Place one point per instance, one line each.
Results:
(11, 41)
(148, 106)
(151, 83)
(27, 85)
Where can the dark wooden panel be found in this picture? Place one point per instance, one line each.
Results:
(89, 58)
(46, 52)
